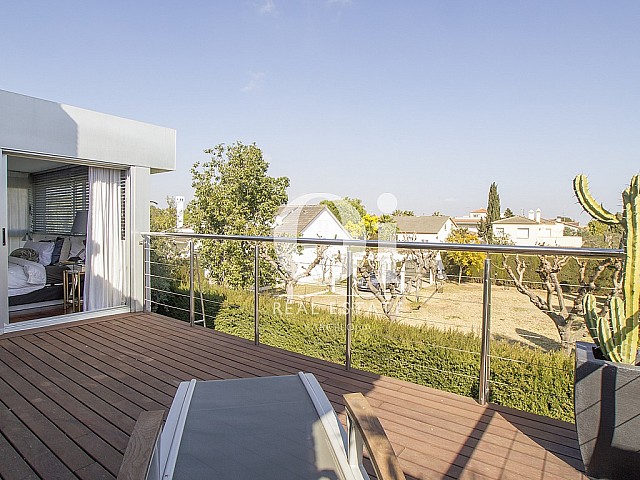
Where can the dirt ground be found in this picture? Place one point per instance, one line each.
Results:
(513, 317)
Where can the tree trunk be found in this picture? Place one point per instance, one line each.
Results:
(459, 275)
(289, 287)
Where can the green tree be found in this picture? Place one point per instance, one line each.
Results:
(234, 195)
(403, 213)
(347, 210)
(366, 228)
(601, 235)
(164, 256)
(485, 226)
(508, 213)
(164, 219)
(467, 262)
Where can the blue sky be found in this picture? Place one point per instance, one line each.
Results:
(428, 100)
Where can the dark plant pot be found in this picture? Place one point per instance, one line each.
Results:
(607, 408)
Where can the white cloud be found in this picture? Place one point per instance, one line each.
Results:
(255, 79)
(267, 7)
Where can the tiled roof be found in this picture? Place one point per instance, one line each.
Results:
(426, 224)
(294, 219)
(480, 210)
(466, 221)
(519, 220)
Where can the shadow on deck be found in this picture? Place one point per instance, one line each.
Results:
(70, 396)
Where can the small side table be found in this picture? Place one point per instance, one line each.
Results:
(73, 280)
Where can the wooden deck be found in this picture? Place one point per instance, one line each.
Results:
(70, 396)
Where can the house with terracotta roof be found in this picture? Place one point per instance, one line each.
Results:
(313, 221)
(428, 228)
(471, 221)
(535, 230)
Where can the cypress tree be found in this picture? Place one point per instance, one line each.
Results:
(485, 228)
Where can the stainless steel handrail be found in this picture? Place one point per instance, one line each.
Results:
(354, 245)
(463, 247)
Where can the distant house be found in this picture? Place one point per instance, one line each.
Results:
(535, 230)
(313, 221)
(471, 221)
(432, 228)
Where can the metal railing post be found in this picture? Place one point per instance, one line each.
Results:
(485, 369)
(256, 294)
(347, 361)
(146, 245)
(192, 298)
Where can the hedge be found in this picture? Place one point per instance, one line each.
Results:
(531, 380)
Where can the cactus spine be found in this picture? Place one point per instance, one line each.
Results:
(617, 333)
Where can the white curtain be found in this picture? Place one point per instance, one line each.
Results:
(104, 278)
(17, 208)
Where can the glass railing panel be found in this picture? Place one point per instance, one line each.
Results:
(302, 302)
(536, 318)
(416, 312)
(411, 323)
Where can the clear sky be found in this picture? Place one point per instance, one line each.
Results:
(428, 100)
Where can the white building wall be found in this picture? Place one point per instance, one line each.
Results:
(537, 234)
(45, 130)
(324, 226)
(439, 237)
(138, 196)
(34, 125)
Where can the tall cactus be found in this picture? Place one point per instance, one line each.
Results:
(617, 333)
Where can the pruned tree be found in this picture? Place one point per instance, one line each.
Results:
(282, 257)
(567, 317)
(426, 268)
(389, 294)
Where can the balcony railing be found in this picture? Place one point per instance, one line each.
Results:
(185, 256)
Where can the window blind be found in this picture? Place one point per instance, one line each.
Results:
(123, 203)
(57, 195)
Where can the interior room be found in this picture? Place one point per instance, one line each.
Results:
(49, 235)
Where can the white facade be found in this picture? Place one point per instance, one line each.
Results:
(437, 235)
(314, 221)
(38, 135)
(535, 231)
(471, 221)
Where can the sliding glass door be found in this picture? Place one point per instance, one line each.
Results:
(4, 245)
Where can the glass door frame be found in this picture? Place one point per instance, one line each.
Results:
(4, 245)
(5, 326)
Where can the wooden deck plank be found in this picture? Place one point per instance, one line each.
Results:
(135, 400)
(39, 457)
(50, 411)
(13, 464)
(412, 390)
(493, 421)
(75, 384)
(119, 366)
(97, 418)
(485, 430)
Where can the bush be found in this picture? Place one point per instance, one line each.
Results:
(522, 377)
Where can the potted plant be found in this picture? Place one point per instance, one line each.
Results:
(607, 377)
